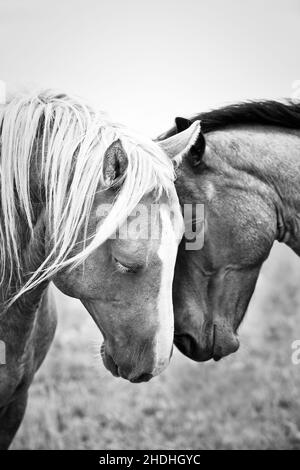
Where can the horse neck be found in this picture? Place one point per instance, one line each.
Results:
(33, 254)
(32, 249)
(267, 158)
(18, 321)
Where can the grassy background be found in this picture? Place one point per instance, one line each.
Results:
(248, 400)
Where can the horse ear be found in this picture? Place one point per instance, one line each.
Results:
(197, 151)
(179, 144)
(198, 148)
(182, 124)
(114, 164)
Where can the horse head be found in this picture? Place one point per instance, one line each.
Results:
(112, 221)
(213, 285)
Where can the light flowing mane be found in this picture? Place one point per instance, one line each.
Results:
(68, 139)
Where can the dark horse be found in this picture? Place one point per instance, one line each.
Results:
(70, 181)
(245, 169)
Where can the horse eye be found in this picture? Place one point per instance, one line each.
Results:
(124, 269)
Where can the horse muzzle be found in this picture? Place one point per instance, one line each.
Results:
(225, 341)
(215, 342)
(125, 370)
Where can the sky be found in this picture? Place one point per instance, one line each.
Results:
(145, 62)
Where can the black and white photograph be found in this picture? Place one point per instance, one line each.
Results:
(149, 229)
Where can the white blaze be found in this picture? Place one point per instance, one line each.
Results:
(167, 253)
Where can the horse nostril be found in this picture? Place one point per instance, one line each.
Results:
(141, 378)
(192, 348)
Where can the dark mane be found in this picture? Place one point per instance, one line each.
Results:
(267, 113)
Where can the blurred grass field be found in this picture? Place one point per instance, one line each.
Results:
(248, 400)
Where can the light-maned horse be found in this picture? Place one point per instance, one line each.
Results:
(245, 169)
(61, 164)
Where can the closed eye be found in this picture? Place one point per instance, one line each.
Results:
(126, 269)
